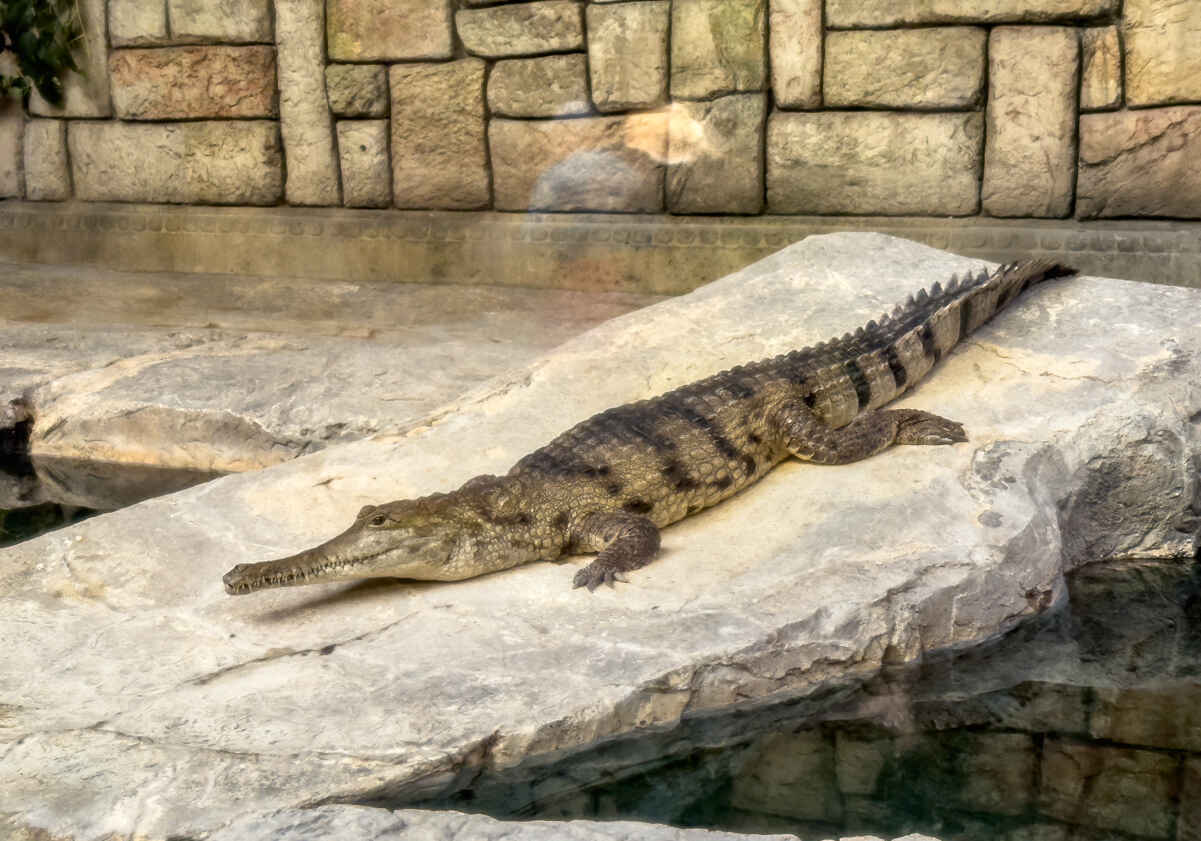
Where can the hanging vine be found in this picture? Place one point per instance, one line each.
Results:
(41, 34)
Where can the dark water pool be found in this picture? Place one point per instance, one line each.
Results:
(1080, 725)
(39, 494)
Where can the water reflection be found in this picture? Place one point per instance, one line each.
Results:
(39, 493)
(1084, 723)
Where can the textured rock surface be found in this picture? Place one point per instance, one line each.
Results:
(439, 158)
(1142, 162)
(364, 30)
(724, 173)
(45, 155)
(865, 162)
(284, 367)
(935, 67)
(550, 86)
(220, 20)
(85, 94)
(790, 774)
(522, 28)
(366, 170)
(1108, 788)
(795, 48)
(407, 690)
(12, 134)
(1030, 148)
(852, 13)
(1163, 64)
(193, 82)
(627, 54)
(358, 823)
(590, 163)
(135, 22)
(208, 162)
(357, 90)
(1101, 68)
(305, 122)
(717, 46)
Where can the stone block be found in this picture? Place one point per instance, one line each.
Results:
(210, 162)
(866, 162)
(439, 157)
(849, 14)
(136, 22)
(717, 46)
(366, 172)
(1140, 163)
(236, 21)
(1188, 822)
(193, 82)
(627, 54)
(549, 86)
(795, 49)
(522, 28)
(997, 772)
(1101, 68)
(305, 121)
(47, 177)
(1163, 62)
(85, 94)
(12, 134)
(385, 30)
(1160, 719)
(858, 761)
(723, 173)
(1030, 151)
(590, 163)
(1109, 788)
(790, 774)
(357, 90)
(931, 67)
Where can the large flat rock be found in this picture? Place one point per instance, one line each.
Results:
(139, 699)
(224, 373)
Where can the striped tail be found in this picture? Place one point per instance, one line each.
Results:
(881, 360)
(916, 335)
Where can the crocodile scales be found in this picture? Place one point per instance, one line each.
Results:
(608, 484)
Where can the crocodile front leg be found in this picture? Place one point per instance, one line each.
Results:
(809, 439)
(624, 541)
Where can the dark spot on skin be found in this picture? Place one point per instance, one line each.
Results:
(722, 483)
(561, 520)
(674, 404)
(965, 317)
(329, 649)
(692, 509)
(737, 387)
(748, 464)
(637, 422)
(754, 439)
(926, 334)
(638, 506)
(899, 375)
(810, 399)
(863, 390)
(413, 550)
(613, 488)
(793, 366)
(677, 476)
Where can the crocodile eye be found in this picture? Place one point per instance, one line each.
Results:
(378, 520)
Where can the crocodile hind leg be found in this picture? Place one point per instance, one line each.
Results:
(809, 439)
(624, 541)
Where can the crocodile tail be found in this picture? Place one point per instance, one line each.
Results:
(916, 335)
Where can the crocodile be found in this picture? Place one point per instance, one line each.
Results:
(611, 482)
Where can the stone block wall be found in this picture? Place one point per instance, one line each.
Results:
(1004, 108)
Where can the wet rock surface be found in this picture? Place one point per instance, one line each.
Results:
(1080, 398)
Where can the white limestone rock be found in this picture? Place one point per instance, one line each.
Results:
(163, 706)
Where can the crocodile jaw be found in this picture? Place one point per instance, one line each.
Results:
(349, 556)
